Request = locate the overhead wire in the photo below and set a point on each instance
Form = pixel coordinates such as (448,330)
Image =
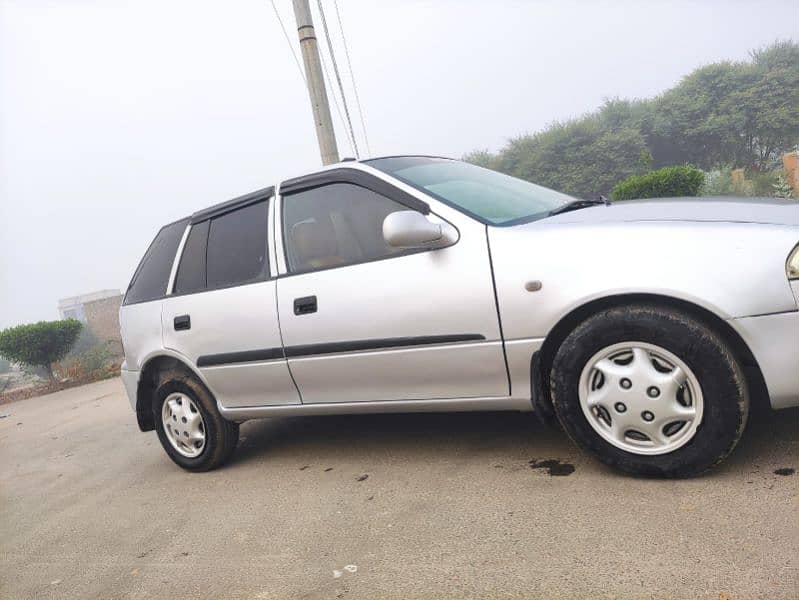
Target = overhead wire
(352,77)
(288,41)
(335,101)
(338,77)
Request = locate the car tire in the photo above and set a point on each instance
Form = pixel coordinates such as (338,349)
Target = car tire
(614,416)
(183,408)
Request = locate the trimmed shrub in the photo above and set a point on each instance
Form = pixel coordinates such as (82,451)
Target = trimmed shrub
(40,344)
(680,180)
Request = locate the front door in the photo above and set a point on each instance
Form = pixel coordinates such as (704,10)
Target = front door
(364,321)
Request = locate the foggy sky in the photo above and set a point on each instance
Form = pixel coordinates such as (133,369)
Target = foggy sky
(117,117)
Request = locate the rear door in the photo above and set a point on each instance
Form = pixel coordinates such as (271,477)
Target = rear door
(221,313)
(363,321)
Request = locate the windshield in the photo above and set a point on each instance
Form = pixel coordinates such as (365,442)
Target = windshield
(488,196)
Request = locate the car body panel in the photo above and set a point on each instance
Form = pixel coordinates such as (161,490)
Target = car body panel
(428,294)
(140,328)
(227,321)
(733,270)
(774,341)
(130,379)
(768,211)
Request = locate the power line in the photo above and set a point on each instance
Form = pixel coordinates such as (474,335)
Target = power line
(288,41)
(352,77)
(335,101)
(338,77)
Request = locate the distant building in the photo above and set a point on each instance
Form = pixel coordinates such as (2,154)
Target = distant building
(99,311)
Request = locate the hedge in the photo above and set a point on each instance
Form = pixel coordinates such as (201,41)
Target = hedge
(668,182)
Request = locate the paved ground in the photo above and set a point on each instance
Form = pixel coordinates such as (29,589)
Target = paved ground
(91,508)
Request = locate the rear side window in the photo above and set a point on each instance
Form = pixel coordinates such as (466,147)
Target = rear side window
(152,276)
(236,251)
(191,272)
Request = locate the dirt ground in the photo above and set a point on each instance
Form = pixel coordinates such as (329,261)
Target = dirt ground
(380,506)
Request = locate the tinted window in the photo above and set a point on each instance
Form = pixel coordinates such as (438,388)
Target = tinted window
(335,225)
(151,278)
(237,247)
(490,197)
(191,272)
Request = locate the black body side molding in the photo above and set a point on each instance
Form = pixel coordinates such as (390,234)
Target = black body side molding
(264,354)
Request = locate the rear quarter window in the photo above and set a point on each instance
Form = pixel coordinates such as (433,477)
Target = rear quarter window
(152,276)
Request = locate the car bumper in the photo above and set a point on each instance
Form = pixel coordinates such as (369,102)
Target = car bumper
(774,342)
(130,379)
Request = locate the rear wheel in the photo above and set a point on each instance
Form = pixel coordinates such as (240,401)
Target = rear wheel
(189,426)
(650,391)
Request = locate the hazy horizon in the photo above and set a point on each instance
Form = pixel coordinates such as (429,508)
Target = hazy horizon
(117,117)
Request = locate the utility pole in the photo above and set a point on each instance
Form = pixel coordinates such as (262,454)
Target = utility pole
(316,83)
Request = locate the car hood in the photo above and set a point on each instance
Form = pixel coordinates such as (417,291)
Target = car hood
(731,210)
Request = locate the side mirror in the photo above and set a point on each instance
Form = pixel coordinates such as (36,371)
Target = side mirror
(411,229)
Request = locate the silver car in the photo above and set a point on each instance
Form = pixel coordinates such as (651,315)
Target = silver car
(647,329)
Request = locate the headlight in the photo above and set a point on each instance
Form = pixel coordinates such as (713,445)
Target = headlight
(792,268)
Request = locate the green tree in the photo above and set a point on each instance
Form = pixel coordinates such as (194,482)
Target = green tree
(583,157)
(40,344)
(736,114)
(745,114)
(481,158)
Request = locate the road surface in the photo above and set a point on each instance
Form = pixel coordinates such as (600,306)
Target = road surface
(394,506)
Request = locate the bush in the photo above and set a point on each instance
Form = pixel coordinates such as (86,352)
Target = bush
(40,344)
(5,365)
(719,183)
(781,188)
(86,341)
(93,363)
(664,183)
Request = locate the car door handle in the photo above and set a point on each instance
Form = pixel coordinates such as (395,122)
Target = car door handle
(182,323)
(305,305)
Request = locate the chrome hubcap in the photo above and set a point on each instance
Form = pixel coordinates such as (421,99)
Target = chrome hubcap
(641,398)
(183,425)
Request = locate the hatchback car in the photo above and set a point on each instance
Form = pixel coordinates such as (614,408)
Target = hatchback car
(412,283)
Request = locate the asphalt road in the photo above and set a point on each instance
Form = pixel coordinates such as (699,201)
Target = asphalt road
(410,506)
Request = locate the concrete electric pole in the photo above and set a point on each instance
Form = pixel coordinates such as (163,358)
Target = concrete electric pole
(316,83)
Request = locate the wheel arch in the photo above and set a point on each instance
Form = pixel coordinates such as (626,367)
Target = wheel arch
(542,361)
(149,380)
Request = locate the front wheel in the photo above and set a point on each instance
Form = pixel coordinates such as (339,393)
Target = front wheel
(650,391)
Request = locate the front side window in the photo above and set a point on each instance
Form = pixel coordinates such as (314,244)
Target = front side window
(151,278)
(335,225)
(236,252)
(488,196)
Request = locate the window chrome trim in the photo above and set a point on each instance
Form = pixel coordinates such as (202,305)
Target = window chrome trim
(280,252)
(270,238)
(170,286)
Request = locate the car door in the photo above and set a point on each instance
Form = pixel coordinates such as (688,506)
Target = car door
(222,314)
(362,321)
